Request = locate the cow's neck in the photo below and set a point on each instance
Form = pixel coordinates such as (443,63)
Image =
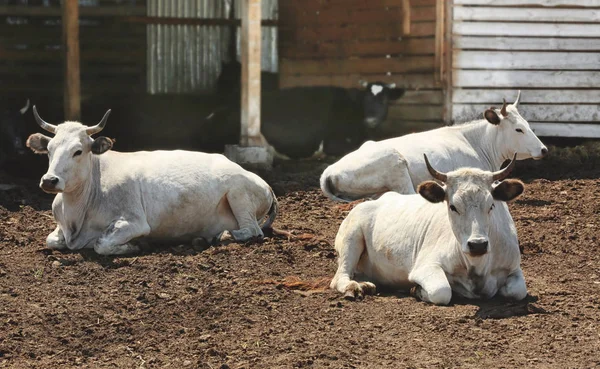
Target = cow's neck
(77,202)
(476,265)
(484,139)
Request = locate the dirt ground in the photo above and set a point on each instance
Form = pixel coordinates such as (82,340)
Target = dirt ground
(225,307)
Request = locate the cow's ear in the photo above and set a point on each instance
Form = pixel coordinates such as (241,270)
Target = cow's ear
(102,145)
(491,116)
(432,191)
(508,190)
(395,93)
(38,143)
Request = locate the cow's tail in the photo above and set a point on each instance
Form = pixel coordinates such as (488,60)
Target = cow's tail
(273,210)
(329,189)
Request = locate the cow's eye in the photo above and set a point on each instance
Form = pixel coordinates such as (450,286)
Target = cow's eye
(491,207)
(453,208)
(519,130)
(77,153)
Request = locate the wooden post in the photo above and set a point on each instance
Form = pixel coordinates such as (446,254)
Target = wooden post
(406,17)
(250,50)
(447,61)
(72,83)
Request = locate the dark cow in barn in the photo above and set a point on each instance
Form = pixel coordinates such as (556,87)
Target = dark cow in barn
(300,121)
(13,131)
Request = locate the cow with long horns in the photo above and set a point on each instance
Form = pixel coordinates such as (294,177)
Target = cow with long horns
(456,235)
(396,164)
(109,200)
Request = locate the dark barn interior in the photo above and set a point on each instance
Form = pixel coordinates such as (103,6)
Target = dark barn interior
(156,65)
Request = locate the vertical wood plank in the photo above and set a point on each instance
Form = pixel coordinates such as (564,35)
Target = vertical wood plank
(447,61)
(406,17)
(72,83)
(439,41)
(251,54)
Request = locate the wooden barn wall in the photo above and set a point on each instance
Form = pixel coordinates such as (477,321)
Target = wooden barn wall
(550,49)
(340,42)
(113,52)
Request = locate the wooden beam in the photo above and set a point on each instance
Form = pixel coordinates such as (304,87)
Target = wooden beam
(251,54)
(190,21)
(406,17)
(446,62)
(72,84)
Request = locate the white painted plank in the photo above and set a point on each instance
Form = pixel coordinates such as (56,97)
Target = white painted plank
(575,3)
(526,14)
(525,43)
(566,130)
(522,79)
(491,96)
(525,60)
(525,29)
(538,112)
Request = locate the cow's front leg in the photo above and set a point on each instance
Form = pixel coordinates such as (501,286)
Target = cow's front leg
(515,287)
(56,240)
(432,285)
(115,239)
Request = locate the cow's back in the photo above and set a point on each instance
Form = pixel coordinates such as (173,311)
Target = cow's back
(177,191)
(397,231)
(447,149)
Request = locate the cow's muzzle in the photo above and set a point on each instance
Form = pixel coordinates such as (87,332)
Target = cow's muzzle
(477,247)
(49,184)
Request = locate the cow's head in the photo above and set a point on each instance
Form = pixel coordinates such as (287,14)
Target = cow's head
(514,132)
(70,151)
(471,195)
(376,99)
(12,130)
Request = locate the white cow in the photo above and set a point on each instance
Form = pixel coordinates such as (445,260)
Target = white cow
(396,164)
(457,236)
(105,199)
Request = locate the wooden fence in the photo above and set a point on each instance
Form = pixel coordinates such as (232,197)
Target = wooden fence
(339,42)
(113,53)
(550,49)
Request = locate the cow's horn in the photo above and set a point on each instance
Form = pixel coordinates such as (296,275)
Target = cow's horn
(518,98)
(434,173)
(45,125)
(25,108)
(501,174)
(503,110)
(391,85)
(100,126)
(363,83)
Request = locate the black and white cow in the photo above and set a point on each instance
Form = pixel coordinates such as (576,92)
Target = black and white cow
(301,121)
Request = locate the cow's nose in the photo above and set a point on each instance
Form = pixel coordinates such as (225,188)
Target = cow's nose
(544,151)
(477,247)
(49,181)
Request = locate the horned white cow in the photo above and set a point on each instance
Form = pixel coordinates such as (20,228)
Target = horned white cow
(105,199)
(396,164)
(455,236)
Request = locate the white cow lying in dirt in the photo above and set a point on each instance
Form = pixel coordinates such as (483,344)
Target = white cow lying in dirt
(458,236)
(396,164)
(105,199)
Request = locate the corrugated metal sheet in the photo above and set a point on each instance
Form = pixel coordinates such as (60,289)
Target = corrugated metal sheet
(187,59)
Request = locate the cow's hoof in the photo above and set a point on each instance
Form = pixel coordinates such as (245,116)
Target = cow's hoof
(357,291)
(56,245)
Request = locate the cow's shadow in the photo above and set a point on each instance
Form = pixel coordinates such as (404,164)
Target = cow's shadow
(500,307)
(495,308)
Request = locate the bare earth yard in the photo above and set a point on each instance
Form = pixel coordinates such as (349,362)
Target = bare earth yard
(224,307)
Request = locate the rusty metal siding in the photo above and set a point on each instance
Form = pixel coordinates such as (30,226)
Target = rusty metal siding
(187,59)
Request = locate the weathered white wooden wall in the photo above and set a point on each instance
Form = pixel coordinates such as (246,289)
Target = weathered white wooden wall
(549,49)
